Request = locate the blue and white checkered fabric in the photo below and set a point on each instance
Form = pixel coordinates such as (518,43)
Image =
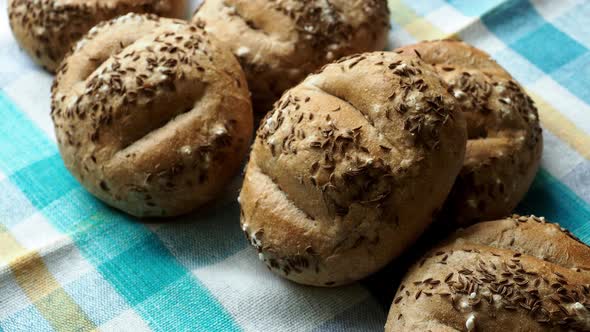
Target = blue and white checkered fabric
(68,262)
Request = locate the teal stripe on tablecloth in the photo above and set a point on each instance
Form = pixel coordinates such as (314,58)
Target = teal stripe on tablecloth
(162,290)
(21,142)
(518,24)
(513,20)
(564,49)
(474,8)
(139,266)
(43,181)
(199,245)
(135,279)
(550,198)
(201,313)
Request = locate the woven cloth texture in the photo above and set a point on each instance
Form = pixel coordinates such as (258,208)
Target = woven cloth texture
(70,263)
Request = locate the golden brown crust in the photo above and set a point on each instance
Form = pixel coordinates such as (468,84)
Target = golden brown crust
(516,274)
(279,42)
(505,138)
(151,115)
(350,168)
(47,29)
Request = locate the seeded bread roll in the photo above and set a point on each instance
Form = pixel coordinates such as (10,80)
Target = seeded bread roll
(151,115)
(47,29)
(279,42)
(350,168)
(517,274)
(505,139)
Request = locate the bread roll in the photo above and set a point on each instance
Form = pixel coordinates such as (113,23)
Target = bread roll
(151,115)
(517,274)
(47,29)
(279,42)
(350,167)
(505,139)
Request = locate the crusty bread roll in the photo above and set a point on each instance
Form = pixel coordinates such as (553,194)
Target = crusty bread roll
(151,115)
(350,168)
(279,42)
(505,139)
(47,29)
(517,274)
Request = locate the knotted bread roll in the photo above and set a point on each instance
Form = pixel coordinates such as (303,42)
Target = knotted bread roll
(350,168)
(279,42)
(505,139)
(517,274)
(47,29)
(151,115)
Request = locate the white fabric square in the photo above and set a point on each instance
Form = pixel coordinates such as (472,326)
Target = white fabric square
(558,157)
(64,261)
(31,94)
(35,232)
(479,36)
(262,301)
(129,320)
(521,69)
(15,206)
(563,100)
(5,32)
(448,19)
(550,9)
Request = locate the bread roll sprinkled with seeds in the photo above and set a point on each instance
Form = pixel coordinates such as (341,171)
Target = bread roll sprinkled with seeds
(517,274)
(505,139)
(350,167)
(47,29)
(279,42)
(151,115)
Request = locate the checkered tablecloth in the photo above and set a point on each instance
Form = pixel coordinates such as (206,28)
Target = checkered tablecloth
(68,262)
